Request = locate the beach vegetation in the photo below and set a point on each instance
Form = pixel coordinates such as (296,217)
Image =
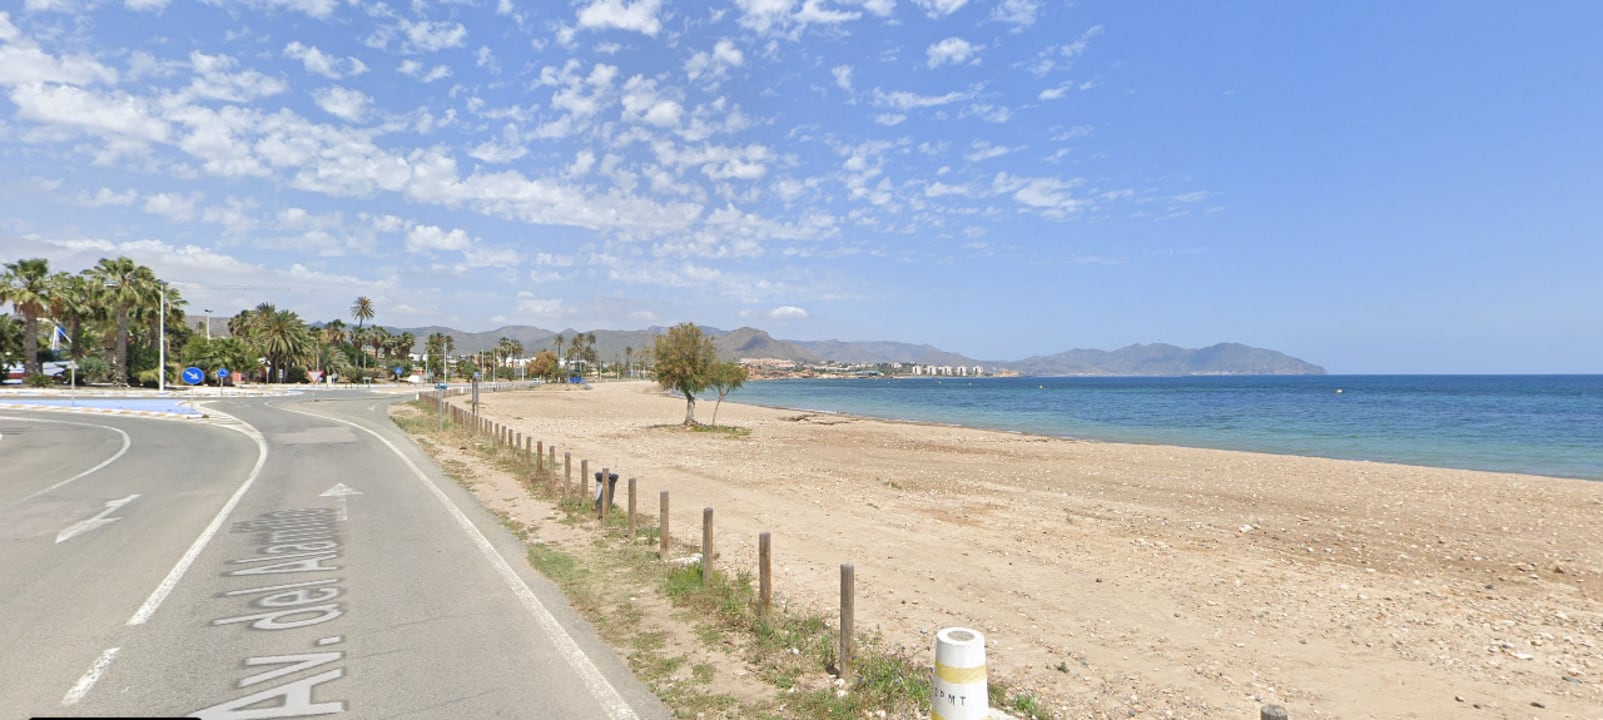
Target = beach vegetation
(26,284)
(725,377)
(685,358)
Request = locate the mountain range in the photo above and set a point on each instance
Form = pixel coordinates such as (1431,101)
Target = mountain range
(746,342)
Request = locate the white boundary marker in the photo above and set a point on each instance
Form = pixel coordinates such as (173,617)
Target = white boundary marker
(90,677)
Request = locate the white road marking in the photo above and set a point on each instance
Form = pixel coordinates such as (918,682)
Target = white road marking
(341,491)
(177,573)
(602,690)
(126,443)
(90,677)
(100,519)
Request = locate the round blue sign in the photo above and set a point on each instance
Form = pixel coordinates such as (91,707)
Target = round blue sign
(193,375)
(222,373)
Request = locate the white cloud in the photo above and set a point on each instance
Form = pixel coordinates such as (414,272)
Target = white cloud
(639,16)
(528,304)
(843,76)
(321,63)
(982,151)
(940,8)
(581,164)
(903,100)
(341,102)
(508,148)
(881,8)
(788,312)
(23,62)
(766,15)
(173,206)
(107,196)
(217,82)
(320,9)
(890,119)
(952,51)
(116,114)
(1018,12)
(431,237)
(715,64)
(430,36)
(1050,196)
(1054,57)
(415,69)
(144,5)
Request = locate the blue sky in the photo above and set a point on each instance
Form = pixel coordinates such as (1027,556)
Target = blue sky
(1376,187)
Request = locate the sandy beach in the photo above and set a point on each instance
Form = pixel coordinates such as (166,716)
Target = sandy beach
(1139,581)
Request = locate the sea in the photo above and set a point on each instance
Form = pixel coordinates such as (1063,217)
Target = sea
(1534,424)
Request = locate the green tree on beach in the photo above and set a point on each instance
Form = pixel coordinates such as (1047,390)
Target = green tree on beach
(685,357)
(725,377)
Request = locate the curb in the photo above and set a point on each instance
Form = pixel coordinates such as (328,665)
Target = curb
(101,411)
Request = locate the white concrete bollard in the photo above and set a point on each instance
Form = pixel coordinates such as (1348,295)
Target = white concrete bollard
(960,687)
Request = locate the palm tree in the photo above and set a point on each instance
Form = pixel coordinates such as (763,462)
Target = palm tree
(73,303)
(559,344)
(401,347)
(284,340)
(10,340)
(628,357)
(128,286)
(434,347)
(362,311)
(26,284)
(334,332)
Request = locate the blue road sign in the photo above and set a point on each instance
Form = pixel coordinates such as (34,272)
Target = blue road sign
(399,369)
(193,375)
(440,386)
(222,373)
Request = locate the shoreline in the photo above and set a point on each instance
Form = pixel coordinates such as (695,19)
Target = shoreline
(1560,466)
(1203,582)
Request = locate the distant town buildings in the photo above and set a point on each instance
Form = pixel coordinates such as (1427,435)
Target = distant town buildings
(948,370)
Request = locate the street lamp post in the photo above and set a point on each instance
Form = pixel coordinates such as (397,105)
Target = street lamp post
(161,341)
(208,323)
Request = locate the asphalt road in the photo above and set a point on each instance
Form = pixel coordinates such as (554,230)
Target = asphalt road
(300,559)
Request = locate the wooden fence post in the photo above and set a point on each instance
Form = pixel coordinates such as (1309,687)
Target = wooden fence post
(765,578)
(848,644)
(631,511)
(539,456)
(567,469)
(706,544)
(662,527)
(604,496)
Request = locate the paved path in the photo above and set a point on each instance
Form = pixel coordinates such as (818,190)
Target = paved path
(281,558)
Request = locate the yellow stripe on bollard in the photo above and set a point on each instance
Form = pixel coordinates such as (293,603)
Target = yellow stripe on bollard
(960,676)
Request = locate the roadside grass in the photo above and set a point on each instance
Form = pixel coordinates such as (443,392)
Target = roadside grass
(794,653)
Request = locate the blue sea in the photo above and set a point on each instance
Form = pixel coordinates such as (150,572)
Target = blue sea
(1537,424)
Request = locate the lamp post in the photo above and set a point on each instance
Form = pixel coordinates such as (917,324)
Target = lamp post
(161,341)
(208,323)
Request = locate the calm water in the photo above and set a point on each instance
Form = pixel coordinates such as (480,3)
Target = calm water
(1539,424)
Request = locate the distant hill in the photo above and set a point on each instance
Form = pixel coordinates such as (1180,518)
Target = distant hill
(884,352)
(746,342)
(1162,359)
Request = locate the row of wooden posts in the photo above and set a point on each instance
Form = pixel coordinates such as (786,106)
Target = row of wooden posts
(543,459)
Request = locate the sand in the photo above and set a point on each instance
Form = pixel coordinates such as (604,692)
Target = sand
(1117,580)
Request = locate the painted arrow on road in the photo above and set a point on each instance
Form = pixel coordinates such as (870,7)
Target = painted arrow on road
(341,491)
(98,520)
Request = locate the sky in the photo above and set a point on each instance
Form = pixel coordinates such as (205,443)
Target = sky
(1374,186)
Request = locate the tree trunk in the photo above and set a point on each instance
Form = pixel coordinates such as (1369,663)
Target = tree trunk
(30,344)
(690,409)
(124,375)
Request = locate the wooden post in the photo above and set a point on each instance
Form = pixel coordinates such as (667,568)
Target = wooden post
(539,456)
(706,544)
(662,528)
(1272,712)
(631,511)
(584,478)
(567,469)
(606,495)
(848,644)
(765,576)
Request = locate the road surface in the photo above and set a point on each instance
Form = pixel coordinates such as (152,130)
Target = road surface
(283,558)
